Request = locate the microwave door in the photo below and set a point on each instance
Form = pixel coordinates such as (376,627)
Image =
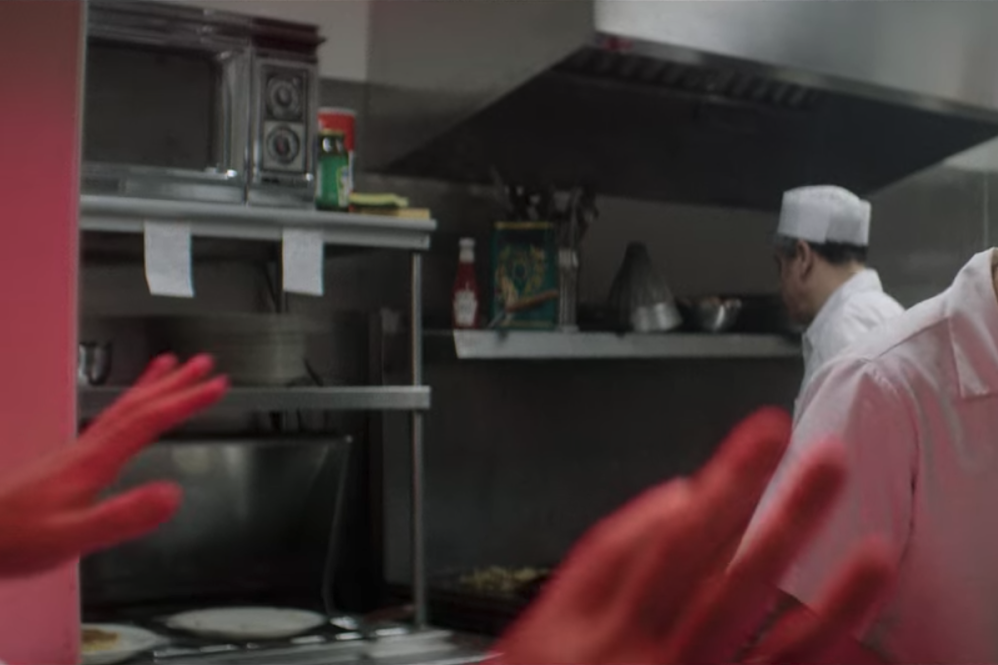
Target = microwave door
(166,121)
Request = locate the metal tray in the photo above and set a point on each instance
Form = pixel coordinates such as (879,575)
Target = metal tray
(454,605)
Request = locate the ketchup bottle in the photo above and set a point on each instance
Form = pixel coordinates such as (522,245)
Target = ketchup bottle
(466,301)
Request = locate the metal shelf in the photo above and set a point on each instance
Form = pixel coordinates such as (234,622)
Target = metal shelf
(120,215)
(539,346)
(92,400)
(117,214)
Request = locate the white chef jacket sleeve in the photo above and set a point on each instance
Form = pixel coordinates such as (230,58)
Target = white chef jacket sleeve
(851,401)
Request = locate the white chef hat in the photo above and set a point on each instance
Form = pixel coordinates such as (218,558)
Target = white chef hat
(825,213)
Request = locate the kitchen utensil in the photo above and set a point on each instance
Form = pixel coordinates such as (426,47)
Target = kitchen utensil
(522,305)
(568,288)
(575,218)
(713,314)
(586,211)
(640,296)
(570,232)
(246,623)
(502,194)
(125,642)
(93,363)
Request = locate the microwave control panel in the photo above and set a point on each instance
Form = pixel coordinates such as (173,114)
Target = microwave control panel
(284,130)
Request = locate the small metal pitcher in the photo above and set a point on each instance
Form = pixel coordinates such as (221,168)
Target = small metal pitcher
(93,363)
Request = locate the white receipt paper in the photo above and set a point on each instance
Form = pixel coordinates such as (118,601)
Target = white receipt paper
(168,259)
(302,252)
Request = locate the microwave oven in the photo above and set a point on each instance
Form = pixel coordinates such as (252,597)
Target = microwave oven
(194,104)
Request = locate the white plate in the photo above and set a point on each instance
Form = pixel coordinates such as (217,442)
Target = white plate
(131,642)
(246,623)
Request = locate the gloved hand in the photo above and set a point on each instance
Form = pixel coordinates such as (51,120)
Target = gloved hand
(49,512)
(652,582)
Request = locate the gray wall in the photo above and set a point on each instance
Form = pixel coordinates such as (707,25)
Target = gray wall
(927,226)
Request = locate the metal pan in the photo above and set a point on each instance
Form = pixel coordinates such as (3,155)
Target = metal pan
(252,349)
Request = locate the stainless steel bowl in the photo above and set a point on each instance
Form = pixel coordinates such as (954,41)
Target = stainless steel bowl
(716,315)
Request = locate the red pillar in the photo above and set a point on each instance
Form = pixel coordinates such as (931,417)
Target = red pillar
(41,61)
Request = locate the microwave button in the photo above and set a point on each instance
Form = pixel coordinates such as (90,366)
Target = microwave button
(283,147)
(284,97)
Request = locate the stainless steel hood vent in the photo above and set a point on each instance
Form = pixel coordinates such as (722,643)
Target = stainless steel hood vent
(717,84)
(679,101)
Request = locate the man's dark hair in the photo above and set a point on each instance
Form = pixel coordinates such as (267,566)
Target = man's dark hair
(840,253)
(836,253)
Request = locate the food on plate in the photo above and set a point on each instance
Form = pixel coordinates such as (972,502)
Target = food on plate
(95,640)
(500,580)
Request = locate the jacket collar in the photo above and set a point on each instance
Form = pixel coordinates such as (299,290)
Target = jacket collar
(971,308)
(863,281)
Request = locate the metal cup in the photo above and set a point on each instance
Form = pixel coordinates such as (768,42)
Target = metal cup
(93,363)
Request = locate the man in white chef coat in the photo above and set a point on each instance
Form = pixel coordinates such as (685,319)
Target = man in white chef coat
(821,246)
(916,407)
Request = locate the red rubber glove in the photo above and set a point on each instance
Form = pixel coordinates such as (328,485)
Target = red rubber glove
(49,512)
(652,582)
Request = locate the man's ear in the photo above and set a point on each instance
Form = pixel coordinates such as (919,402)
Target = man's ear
(805,254)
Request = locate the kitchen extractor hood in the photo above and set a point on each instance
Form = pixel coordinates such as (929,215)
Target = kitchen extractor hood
(722,103)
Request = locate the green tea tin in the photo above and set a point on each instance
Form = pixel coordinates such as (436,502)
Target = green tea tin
(524,275)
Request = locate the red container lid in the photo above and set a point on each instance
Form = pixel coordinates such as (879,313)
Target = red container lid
(339,120)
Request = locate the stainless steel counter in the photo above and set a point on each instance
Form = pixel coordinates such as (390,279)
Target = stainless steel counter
(426,647)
